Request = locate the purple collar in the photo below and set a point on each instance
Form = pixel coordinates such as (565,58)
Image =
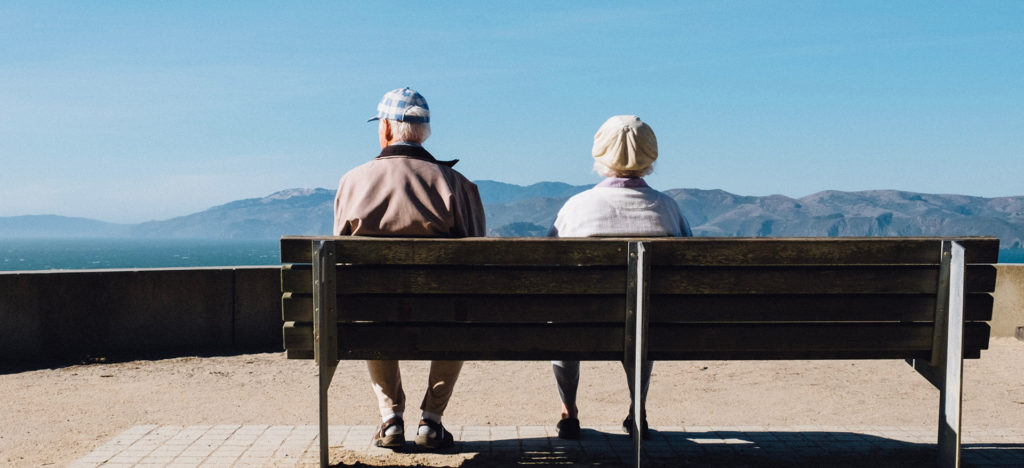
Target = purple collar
(623,182)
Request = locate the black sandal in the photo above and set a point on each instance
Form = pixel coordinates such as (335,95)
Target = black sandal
(381,439)
(442,438)
(627,427)
(569,429)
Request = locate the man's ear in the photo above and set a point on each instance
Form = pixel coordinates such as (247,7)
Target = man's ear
(387,130)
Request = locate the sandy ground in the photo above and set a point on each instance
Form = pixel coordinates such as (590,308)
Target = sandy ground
(56,416)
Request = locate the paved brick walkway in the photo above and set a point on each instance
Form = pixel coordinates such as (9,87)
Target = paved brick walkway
(480,446)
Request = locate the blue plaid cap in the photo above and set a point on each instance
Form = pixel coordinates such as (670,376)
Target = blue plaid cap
(397,102)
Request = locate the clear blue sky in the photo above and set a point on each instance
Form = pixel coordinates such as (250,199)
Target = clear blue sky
(133,111)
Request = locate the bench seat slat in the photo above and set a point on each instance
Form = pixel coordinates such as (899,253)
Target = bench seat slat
(299,354)
(800,308)
(463,280)
(803,341)
(699,250)
(483,251)
(667,342)
(479,308)
(812,251)
(482,342)
(888,279)
(663,308)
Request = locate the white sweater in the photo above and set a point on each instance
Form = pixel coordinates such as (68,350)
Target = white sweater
(620,207)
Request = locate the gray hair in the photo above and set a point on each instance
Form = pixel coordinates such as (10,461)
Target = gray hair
(605,171)
(408,131)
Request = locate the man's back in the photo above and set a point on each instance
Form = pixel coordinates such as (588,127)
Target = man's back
(405,196)
(405,192)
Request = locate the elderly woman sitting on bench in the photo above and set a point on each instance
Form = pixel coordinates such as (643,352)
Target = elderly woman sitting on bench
(622,205)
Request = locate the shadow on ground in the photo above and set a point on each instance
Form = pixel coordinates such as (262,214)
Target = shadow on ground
(57,362)
(672,449)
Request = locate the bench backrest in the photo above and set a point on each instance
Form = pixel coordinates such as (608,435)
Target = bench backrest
(707,298)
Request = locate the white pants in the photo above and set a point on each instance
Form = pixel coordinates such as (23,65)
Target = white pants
(567,376)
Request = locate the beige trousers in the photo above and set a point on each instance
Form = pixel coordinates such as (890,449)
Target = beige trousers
(387,385)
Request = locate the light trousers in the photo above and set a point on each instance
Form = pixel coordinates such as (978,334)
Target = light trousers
(386,378)
(567,376)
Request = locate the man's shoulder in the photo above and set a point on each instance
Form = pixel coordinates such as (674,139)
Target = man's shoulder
(462,178)
(402,166)
(381,164)
(359,170)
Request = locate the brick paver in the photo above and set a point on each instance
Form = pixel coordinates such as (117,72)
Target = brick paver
(282,446)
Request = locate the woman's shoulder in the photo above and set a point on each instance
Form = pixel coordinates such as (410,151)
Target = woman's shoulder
(584,196)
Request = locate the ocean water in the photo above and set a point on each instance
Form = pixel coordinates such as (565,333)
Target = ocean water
(78,254)
(1011,256)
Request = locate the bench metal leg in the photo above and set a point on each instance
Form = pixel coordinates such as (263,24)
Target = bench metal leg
(325,331)
(951,391)
(945,369)
(636,334)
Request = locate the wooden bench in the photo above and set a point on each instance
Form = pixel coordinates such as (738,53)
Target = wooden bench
(924,300)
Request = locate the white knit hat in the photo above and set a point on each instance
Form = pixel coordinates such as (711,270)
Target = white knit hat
(625,144)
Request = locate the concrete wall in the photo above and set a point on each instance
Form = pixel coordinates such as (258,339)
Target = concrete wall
(187,311)
(96,312)
(1008,309)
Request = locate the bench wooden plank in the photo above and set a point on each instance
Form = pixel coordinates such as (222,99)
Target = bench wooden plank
(887,279)
(803,341)
(808,308)
(698,250)
(609,308)
(605,342)
(840,279)
(469,341)
(795,280)
(482,251)
(478,308)
(300,354)
(375,279)
(812,250)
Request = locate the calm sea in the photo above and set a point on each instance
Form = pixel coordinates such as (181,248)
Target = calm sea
(1011,256)
(78,254)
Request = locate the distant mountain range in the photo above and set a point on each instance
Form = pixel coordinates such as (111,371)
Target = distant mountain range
(514,210)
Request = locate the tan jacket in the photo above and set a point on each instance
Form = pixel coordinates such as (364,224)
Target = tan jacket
(405,192)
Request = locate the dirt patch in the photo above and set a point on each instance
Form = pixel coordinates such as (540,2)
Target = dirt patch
(71,410)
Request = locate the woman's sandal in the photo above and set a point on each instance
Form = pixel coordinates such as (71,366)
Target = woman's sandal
(627,427)
(442,438)
(381,439)
(569,429)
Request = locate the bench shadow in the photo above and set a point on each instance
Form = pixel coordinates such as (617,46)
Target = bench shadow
(714,448)
(981,454)
(58,362)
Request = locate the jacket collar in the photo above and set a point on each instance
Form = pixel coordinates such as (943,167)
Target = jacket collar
(414,152)
(622,182)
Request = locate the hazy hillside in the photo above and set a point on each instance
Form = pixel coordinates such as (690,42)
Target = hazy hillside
(514,210)
(294,211)
(517,211)
(501,193)
(867,213)
(310,212)
(59,226)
